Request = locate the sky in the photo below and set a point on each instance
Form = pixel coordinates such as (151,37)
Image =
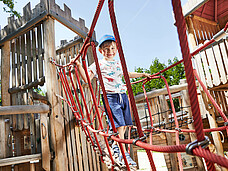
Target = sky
(146,27)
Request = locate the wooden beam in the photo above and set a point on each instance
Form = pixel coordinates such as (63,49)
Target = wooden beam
(204,20)
(24,28)
(46,155)
(37,82)
(58,143)
(23,109)
(5,74)
(154,93)
(19,160)
(69,45)
(5,78)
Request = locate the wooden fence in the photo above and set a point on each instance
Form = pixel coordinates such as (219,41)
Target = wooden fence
(27,44)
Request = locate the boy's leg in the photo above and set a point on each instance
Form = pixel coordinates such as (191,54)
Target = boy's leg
(121,130)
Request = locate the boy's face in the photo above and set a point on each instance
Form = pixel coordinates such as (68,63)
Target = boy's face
(108,50)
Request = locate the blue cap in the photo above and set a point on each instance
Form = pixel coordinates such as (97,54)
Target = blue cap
(106,38)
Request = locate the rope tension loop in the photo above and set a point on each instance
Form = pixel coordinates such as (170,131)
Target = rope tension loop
(115,134)
(139,139)
(178,129)
(195,144)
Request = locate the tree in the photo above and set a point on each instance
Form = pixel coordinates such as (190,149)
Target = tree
(10,7)
(172,75)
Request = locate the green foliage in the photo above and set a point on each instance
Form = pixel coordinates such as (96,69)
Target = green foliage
(39,91)
(172,75)
(10,7)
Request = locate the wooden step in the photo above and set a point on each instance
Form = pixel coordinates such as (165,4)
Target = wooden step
(20,159)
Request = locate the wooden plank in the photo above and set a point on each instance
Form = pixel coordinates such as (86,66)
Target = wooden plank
(209,32)
(32,125)
(73,139)
(66,120)
(23,68)
(224,52)
(14,120)
(19,160)
(206,69)
(197,35)
(199,66)
(20,119)
(224,101)
(84,150)
(58,143)
(38,143)
(71,125)
(89,156)
(18,69)
(213,67)
(215,95)
(199,30)
(78,144)
(13,64)
(2,138)
(32,167)
(24,93)
(191,34)
(98,163)
(95,161)
(34,54)
(68,134)
(46,155)
(164,107)
(40,54)
(29,56)
(205,31)
(30,85)
(21,109)
(220,64)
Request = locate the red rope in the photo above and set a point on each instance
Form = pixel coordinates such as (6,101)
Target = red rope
(210,157)
(181,29)
(126,76)
(105,98)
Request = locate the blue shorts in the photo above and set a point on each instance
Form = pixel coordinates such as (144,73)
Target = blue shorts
(120,108)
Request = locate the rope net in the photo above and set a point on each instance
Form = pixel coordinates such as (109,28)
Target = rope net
(72,87)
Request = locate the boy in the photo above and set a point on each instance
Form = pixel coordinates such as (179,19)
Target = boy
(112,73)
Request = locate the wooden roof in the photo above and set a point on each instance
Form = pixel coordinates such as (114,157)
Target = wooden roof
(208,9)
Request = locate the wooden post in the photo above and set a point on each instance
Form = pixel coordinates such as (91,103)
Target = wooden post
(5,77)
(84,150)
(186,103)
(191,35)
(46,155)
(79,151)
(164,108)
(213,124)
(56,120)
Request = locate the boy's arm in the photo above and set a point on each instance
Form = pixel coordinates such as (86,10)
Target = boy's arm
(82,72)
(136,74)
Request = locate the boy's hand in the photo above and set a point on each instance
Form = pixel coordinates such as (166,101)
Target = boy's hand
(77,63)
(146,75)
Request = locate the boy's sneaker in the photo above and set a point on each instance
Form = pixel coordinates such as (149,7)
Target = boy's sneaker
(116,150)
(129,160)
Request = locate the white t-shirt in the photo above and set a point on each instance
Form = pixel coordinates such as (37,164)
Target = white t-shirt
(112,73)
